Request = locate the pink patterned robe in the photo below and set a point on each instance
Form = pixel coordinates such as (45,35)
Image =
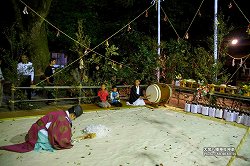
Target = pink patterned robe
(59,133)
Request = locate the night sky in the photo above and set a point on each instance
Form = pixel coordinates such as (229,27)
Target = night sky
(201,28)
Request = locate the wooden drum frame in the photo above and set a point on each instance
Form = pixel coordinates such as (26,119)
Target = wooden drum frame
(158,93)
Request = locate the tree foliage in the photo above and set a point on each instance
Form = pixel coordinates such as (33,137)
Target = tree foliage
(134,50)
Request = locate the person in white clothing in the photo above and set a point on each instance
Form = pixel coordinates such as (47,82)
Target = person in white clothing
(1,83)
(136,95)
(25,72)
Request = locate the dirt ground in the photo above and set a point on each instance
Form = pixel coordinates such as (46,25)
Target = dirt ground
(138,136)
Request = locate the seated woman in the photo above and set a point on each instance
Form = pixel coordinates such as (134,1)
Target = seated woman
(136,95)
(52,131)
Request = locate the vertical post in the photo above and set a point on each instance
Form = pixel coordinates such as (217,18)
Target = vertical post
(56,92)
(215,34)
(80,94)
(12,102)
(159,36)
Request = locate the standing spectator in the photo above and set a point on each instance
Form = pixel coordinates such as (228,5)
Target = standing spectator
(103,94)
(115,97)
(1,83)
(49,78)
(25,72)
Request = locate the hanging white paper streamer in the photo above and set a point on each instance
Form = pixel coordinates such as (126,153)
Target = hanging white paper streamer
(154,1)
(58,33)
(25,10)
(81,65)
(233,62)
(241,62)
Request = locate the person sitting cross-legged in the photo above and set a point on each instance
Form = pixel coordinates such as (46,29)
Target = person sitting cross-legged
(136,95)
(115,97)
(103,95)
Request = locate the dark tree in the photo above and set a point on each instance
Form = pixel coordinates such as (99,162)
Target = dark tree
(26,33)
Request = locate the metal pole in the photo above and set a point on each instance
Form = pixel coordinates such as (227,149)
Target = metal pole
(159,36)
(215,34)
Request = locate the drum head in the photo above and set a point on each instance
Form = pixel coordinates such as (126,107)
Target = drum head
(153,92)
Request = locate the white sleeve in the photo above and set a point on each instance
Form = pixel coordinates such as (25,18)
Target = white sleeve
(32,72)
(1,74)
(19,67)
(47,125)
(111,96)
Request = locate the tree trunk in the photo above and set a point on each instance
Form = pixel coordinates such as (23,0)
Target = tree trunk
(31,30)
(38,46)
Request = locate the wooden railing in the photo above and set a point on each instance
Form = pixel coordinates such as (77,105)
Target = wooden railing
(124,91)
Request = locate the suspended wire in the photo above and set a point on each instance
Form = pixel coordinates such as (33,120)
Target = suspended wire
(170,23)
(193,18)
(92,50)
(237,58)
(89,50)
(241,12)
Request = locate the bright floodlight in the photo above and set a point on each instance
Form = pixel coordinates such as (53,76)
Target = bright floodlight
(234,41)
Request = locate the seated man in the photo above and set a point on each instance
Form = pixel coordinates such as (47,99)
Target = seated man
(52,131)
(136,95)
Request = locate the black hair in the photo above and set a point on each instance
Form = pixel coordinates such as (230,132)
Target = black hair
(71,111)
(137,80)
(52,59)
(114,86)
(20,57)
(76,110)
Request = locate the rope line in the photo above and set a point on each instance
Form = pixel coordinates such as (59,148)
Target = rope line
(193,18)
(237,58)
(238,68)
(241,11)
(170,23)
(89,50)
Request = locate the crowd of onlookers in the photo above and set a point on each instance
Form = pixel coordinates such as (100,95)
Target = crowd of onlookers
(25,71)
